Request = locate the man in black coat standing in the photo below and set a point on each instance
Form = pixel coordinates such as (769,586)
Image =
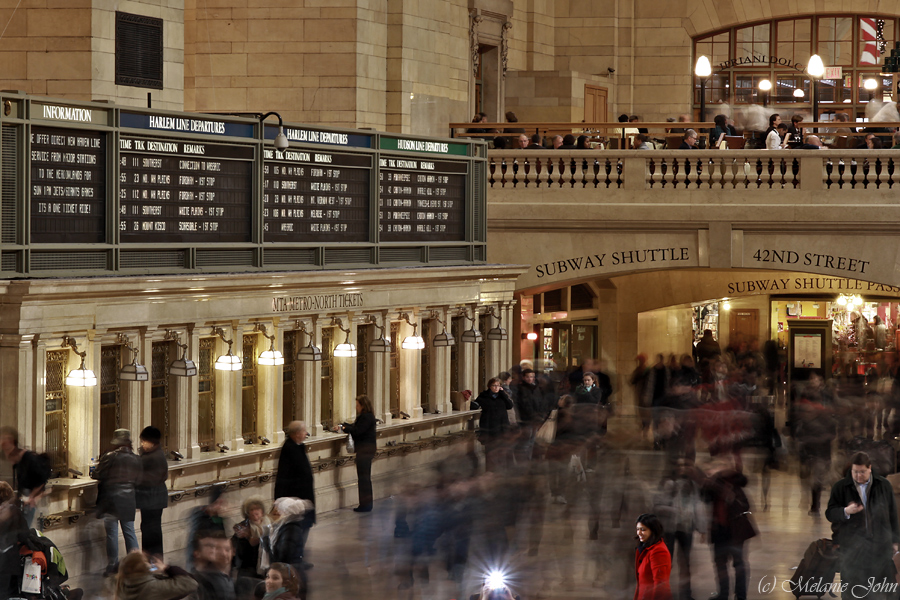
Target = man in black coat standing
(116,473)
(863,516)
(151,495)
(493,423)
(295,476)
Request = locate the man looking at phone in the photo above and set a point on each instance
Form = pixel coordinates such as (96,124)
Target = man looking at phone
(863,516)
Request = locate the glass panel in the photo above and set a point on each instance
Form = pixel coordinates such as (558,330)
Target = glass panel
(746,88)
(793,41)
(288,380)
(835,40)
(326,390)
(56,414)
(206,409)
(248,387)
(395,370)
(159,390)
(110,405)
(874,34)
(787,84)
(753,40)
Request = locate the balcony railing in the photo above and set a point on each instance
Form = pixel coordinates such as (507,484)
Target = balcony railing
(811,170)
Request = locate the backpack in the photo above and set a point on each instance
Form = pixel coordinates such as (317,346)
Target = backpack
(56,565)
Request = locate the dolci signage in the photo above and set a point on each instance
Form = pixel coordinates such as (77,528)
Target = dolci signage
(754,60)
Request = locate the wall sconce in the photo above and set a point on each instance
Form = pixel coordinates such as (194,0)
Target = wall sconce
(80,377)
(471,335)
(531,336)
(444,338)
(281,141)
(308,353)
(270,357)
(345,350)
(381,344)
(135,371)
(227,361)
(498,333)
(181,367)
(414,341)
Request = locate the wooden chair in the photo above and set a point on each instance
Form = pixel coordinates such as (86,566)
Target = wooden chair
(735,142)
(673,142)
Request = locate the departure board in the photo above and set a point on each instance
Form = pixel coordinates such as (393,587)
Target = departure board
(421,200)
(68,186)
(178,191)
(313,196)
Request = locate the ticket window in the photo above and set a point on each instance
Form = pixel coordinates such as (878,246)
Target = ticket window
(564,345)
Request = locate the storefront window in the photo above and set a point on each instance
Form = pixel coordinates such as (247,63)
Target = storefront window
(836,41)
(787,84)
(746,88)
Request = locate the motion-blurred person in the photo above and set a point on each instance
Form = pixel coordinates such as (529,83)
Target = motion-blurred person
(529,403)
(247,536)
(493,423)
(116,473)
(141,578)
(707,348)
(283,583)
(655,394)
(863,516)
(30,471)
(652,561)
(815,430)
(362,430)
(287,535)
(212,556)
(638,382)
(151,495)
(205,520)
(681,511)
(730,526)
(295,476)
(13,531)
(563,447)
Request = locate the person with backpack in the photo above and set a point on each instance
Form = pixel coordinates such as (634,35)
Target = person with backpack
(30,470)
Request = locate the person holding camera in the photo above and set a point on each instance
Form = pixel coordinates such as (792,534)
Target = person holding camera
(141,578)
(246,538)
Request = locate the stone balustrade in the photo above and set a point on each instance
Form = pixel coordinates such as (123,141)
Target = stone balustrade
(808,170)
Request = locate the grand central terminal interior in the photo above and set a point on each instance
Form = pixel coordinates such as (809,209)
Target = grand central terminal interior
(220,219)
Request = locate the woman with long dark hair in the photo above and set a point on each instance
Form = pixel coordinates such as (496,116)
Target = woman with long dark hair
(652,561)
(364,439)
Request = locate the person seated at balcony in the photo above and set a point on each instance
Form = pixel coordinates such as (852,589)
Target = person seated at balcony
(841,119)
(537,142)
(718,133)
(582,143)
(681,119)
(522,142)
(642,142)
(512,118)
(689,142)
(479,118)
(794,128)
(896,138)
(568,143)
(499,143)
(778,138)
(637,119)
(812,143)
(558,142)
(870,143)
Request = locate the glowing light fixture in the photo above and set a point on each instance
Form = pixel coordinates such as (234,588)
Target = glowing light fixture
(82,376)
(270,357)
(414,341)
(227,361)
(134,371)
(799,93)
(346,349)
(531,336)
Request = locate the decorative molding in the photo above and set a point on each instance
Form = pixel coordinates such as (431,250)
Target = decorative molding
(473,39)
(504,46)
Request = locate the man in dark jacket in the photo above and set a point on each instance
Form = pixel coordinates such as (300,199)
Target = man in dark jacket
(530,412)
(151,495)
(116,473)
(863,516)
(493,423)
(295,476)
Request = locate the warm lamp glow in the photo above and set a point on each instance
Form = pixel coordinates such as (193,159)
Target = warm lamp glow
(531,336)
(703,68)
(765,85)
(815,67)
(799,93)
(871,84)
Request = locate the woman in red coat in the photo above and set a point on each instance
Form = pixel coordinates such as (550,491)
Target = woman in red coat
(652,561)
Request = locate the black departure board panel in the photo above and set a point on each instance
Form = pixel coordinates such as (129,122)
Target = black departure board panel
(177,191)
(68,186)
(314,196)
(422,200)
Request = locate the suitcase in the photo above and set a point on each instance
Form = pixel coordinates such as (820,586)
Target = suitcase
(882,454)
(819,561)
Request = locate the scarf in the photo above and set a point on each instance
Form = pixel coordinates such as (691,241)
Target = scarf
(274,593)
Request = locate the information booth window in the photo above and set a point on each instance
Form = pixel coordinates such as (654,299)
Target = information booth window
(56,411)
(206,406)
(326,383)
(162,356)
(249,387)
(363,338)
(425,372)
(289,380)
(395,370)
(110,394)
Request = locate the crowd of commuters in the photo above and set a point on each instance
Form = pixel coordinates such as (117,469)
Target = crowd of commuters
(548,458)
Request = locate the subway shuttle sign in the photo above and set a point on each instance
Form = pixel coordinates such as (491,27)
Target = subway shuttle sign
(618,260)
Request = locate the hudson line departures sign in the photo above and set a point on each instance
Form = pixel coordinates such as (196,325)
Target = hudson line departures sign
(99,175)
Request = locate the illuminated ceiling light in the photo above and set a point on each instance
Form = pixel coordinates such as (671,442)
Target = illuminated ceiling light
(346,349)
(444,338)
(871,84)
(765,85)
(270,357)
(80,377)
(381,344)
(815,67)
(227,361)
(799,93)
(498,333)
(726,305)
(134,371)
(414,341)
(308,353)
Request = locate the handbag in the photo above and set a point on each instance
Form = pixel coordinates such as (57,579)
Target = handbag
(351,446)
(31,578)
(546,433)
